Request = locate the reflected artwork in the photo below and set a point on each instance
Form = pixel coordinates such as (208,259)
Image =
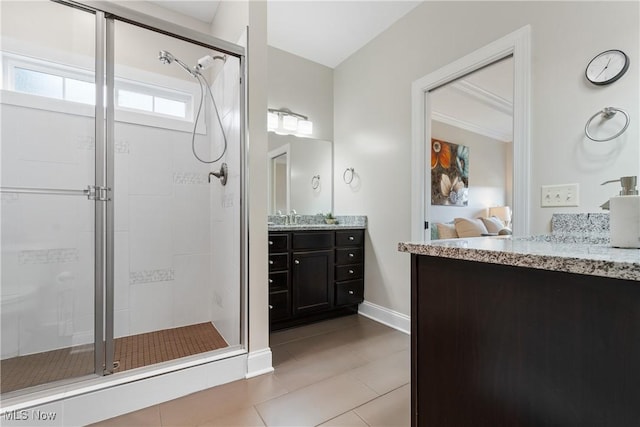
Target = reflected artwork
(449,173)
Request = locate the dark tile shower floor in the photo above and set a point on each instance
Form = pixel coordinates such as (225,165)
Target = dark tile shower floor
(130,352)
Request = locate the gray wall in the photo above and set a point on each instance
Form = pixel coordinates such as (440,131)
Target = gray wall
(372,128)
(304,87)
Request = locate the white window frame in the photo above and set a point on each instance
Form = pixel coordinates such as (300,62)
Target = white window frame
(189,95)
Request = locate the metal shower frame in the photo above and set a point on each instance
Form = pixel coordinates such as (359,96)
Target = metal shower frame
(106,14)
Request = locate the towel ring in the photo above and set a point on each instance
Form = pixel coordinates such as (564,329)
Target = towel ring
(607,113)
(344,175)
(315,182)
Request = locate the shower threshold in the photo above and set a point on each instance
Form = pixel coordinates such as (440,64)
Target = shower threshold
(131,352)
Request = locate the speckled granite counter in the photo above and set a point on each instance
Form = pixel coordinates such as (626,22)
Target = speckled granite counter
(305,227)
(316,222)
(590,255)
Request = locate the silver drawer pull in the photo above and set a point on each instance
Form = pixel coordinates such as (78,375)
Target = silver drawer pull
(271,261)
(350,271)
(270,280)
(270,307)
(351,255)
(350,292)
(270,242)
(296,262)
(352,238)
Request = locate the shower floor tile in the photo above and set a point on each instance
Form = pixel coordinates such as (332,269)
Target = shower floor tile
(130,352)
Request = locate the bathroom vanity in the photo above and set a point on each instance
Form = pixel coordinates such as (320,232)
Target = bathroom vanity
(316,271)
(524,332)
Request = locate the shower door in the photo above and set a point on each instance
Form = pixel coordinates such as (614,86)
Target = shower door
(113,236)
(51,230)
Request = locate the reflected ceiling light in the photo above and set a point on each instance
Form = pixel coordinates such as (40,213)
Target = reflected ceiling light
(286,122)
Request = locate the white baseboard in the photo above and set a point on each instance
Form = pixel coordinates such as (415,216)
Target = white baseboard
(259,363)
(386,316)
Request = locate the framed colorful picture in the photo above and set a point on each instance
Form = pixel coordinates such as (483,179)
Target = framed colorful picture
(449,173)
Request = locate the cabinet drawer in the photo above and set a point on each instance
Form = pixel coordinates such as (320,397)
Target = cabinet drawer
(312,240)
(278,242)
(350,238)
(349,256)
(349,292)
(278,262)
(279,306)
(349,272)
(279,281)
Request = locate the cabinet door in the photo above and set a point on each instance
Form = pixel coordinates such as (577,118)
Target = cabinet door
(311,281)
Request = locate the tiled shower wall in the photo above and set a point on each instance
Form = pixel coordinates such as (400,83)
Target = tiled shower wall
(177,237)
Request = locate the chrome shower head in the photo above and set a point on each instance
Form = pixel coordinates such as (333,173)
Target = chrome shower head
(165,57)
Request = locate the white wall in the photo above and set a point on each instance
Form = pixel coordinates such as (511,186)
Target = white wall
(304,87)
(373,110)
(487,172)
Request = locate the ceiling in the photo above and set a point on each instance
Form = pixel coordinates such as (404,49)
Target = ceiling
(480,102)
(329,31)
(323,31)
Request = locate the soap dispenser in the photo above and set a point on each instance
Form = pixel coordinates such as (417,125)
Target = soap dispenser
(624,216)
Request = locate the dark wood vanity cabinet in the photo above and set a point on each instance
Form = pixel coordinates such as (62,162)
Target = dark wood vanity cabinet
(314,275)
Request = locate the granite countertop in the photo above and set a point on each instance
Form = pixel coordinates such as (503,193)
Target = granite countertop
(305,227)
(584,254)
(316,222)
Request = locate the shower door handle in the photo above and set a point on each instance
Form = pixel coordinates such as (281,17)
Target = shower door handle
(92,192)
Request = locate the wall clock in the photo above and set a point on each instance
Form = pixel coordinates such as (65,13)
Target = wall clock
(607,67)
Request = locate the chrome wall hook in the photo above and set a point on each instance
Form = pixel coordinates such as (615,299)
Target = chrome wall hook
(222,174)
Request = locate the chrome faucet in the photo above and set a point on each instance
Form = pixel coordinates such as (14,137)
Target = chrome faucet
(293,217)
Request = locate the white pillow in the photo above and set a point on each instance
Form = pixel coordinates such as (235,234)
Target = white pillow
(446,231)
(493,224)
(466,227)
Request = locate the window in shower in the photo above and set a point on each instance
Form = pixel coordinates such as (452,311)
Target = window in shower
(48,79)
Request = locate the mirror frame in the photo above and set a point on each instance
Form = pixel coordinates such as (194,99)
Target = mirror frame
(272,155)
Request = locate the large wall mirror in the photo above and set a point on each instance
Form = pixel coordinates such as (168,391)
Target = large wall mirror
(475,112)
(300,175)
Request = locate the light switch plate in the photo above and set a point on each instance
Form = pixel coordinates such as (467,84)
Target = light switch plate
(560,195)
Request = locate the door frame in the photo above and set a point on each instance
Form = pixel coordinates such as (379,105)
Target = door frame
(516,44)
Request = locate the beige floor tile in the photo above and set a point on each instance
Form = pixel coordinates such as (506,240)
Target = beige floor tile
(244,417)
(316,367)
(280,356)
(372,348)
(350,419)
(145,417)
(212,403)
(316,403)
(387,373)
(390,410)
(313,329)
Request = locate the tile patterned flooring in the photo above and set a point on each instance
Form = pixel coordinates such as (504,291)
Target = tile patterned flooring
(131,352)
(349,371)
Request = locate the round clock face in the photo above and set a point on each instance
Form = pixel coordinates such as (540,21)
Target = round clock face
(607,67)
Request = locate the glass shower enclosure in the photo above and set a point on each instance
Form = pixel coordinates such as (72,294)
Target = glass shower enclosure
(121,248)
